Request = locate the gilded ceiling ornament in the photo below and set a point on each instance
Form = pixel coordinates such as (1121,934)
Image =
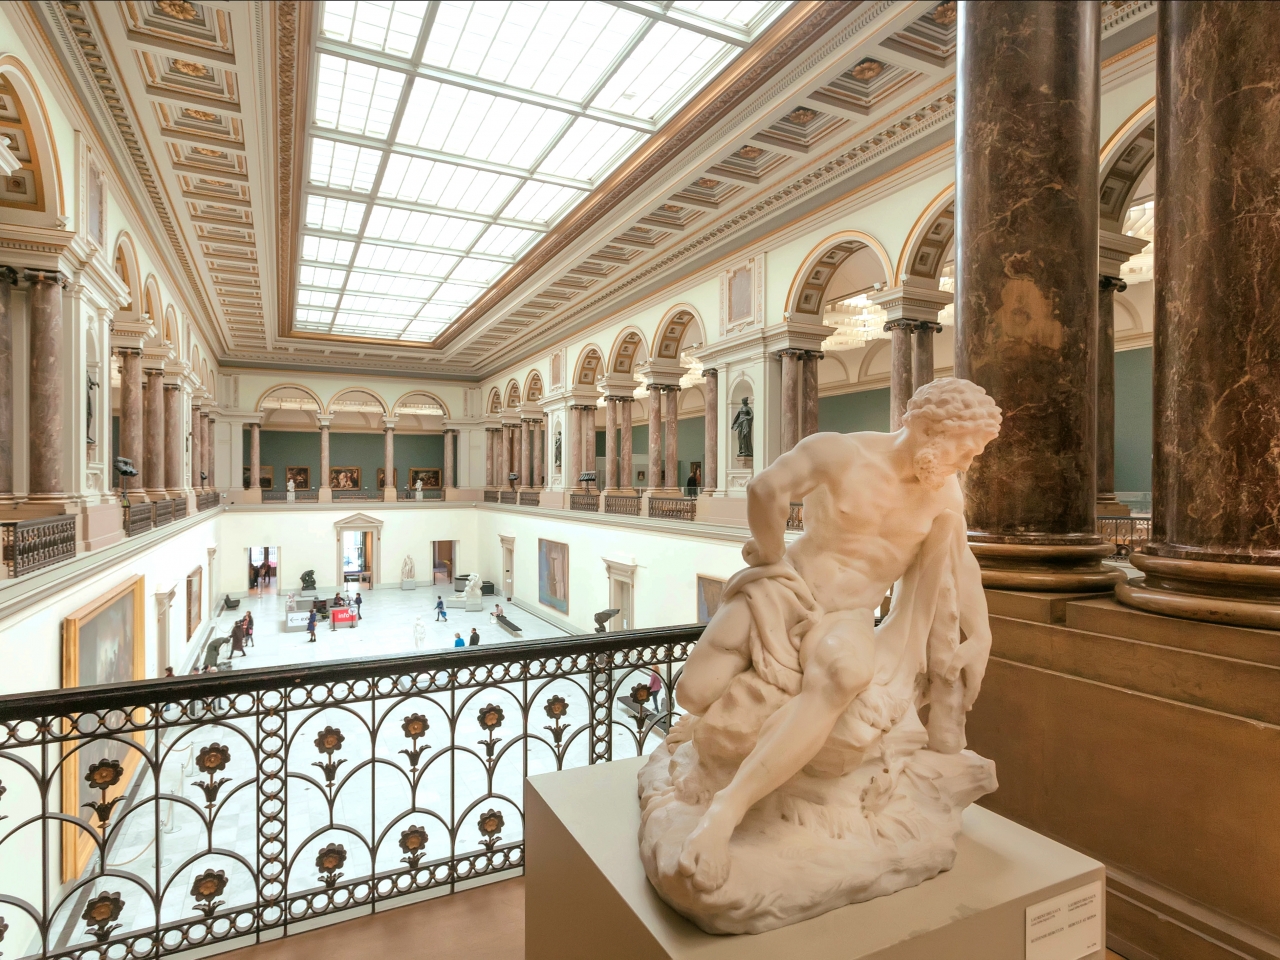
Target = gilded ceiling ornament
(671,208)
(204,115)
(944,14)
(867,69)
(178,9)
(206,152)
(749,152)
(191,68)
(706,183)
(802,115)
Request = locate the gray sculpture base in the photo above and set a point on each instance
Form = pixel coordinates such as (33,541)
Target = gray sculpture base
(587,897)
(474,606)
(456,601)
(408,584)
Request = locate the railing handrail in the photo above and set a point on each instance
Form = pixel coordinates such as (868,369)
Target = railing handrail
(17,707)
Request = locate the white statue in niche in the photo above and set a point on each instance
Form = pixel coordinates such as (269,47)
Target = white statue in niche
(802,778)
(407,570)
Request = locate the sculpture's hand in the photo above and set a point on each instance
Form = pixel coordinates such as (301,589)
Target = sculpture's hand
(971,659)
(759,556)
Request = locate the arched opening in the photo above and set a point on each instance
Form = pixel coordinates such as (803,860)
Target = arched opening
(590,367)
(494,405)
(513,395)
(628,351)
(151,300)
(533,387)
(125,264)
(33,189)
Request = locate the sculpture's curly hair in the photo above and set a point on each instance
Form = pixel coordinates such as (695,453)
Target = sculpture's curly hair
(951,403)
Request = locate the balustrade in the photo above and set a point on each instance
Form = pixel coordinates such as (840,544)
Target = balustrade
(207,500)
(172,815)
(673,508)
(530,498)
(507,496)
(589,502)
(491,496)
(795,517)
(624,506)
(180,508)
(137,518)
(1127,533)
(31,545)
(162,512)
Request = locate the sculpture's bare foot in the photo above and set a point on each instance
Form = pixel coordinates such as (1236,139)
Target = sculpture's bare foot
(704,858)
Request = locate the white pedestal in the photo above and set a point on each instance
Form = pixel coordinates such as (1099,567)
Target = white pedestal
(587,897)
(408,584)
(474,606)
(457,601)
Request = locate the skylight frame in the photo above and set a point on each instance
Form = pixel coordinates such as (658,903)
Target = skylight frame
(510,235)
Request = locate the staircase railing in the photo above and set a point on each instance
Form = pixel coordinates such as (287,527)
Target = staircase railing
(161,816)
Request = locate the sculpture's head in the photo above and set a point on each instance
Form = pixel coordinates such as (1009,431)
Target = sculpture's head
(951,421)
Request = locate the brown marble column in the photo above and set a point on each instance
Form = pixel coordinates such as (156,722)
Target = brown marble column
(671,417)
(611,444)
(537,439)
(324,492)
(626,469)
(196,483)
(504,480)
(255,456)
(809,394)
(213,454)
(573,451)
(488,456)
(922,354)
(589,440)
(900,362)
(1108,287)
(711,430)
(790,397)
(206,449)
(45,410)
(450,436)
(526,460)
(8,278)
(153,451)
(1027,269)
(655,436)
(131,415)
(389,463)
(175,441)
(1214,552)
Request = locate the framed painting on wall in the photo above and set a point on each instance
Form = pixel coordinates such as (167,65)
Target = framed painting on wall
(430,477)
(710,590)
(344,478)
(553,574)
(301,477)
(395,477)
(266,477)
(195,599)
(102,642)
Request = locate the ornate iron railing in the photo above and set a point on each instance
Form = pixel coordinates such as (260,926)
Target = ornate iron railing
(356,495)
(433,494)
(673,508)
(137,518)
(530,498)
(491,496)
(179,508)
(626,506)
(207,500)
(795,517)
(1127,533)
(282,496)
(589,502)
(150,818)
(31,545)
(162,512)
(507,496)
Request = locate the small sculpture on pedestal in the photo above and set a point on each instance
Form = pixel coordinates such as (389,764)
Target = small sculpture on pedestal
(742,422)
(408,574)
(308,579)
(802,778)
(289,495)
(417,489)
(419,632)
(474,598)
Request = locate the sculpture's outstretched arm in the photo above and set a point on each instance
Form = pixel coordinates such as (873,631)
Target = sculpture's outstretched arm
(769,497)
(971,656)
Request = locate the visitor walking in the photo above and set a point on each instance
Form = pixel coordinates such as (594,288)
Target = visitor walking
(358,601)
(475,637)
(440,612)
(311,625)
(248,628)
(458,641)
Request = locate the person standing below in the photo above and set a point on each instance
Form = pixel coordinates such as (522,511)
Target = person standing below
(237,638)
(358,601)
(311,625)
(440,611)
(458,641)
(694,483)
(248,627)
(475,637)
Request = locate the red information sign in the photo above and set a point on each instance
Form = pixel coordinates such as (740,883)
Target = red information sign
(343,615)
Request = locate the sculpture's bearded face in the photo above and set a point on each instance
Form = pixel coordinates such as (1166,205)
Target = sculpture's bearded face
(945,454)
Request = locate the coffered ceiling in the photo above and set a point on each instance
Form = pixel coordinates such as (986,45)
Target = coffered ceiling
(445,187)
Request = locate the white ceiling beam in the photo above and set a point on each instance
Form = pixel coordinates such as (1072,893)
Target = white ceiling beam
(416,207)
(678,18)
(399,244)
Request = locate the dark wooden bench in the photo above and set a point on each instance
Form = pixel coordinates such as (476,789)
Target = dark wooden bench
(508,626)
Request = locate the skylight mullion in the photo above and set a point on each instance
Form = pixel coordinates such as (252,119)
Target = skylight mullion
(405,245)
(546,152)
(619,61)
(689,21)
(493,88)
(425,153)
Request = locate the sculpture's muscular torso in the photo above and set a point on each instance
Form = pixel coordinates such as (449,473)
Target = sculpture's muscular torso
(870,501)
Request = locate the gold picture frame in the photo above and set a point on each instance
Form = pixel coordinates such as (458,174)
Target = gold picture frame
(351,480)
(113,627)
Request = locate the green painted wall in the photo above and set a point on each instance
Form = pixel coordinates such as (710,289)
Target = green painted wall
(852,412)
(1134,417)
(287,448)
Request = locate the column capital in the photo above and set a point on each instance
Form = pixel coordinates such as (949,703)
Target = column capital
(37,275)
(8,275)
(903,323)
(661,372)
(917,298)
(1115,250)
(389,423)
(1106,283)
(323,420)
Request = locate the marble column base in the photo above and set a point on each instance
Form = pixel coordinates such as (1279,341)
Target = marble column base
(325,495)
(1057,564)
(1110,507)
(388,494)
(1239,594)
(252,495)
(101,525)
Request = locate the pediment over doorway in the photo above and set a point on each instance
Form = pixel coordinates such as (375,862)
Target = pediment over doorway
(359,520)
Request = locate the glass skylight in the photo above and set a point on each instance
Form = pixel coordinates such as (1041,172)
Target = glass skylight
(447,138)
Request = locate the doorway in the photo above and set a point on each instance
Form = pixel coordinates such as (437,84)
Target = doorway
(357,557)
(622,584)
(444,554)
(508,566)
(264,570)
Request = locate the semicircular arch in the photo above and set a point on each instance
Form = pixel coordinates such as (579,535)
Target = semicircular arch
(674,332)
(511,396)
(629,349)
(40,167)
(807,296)
(930,239)
(589,367)
(533,389)
(1123,164)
